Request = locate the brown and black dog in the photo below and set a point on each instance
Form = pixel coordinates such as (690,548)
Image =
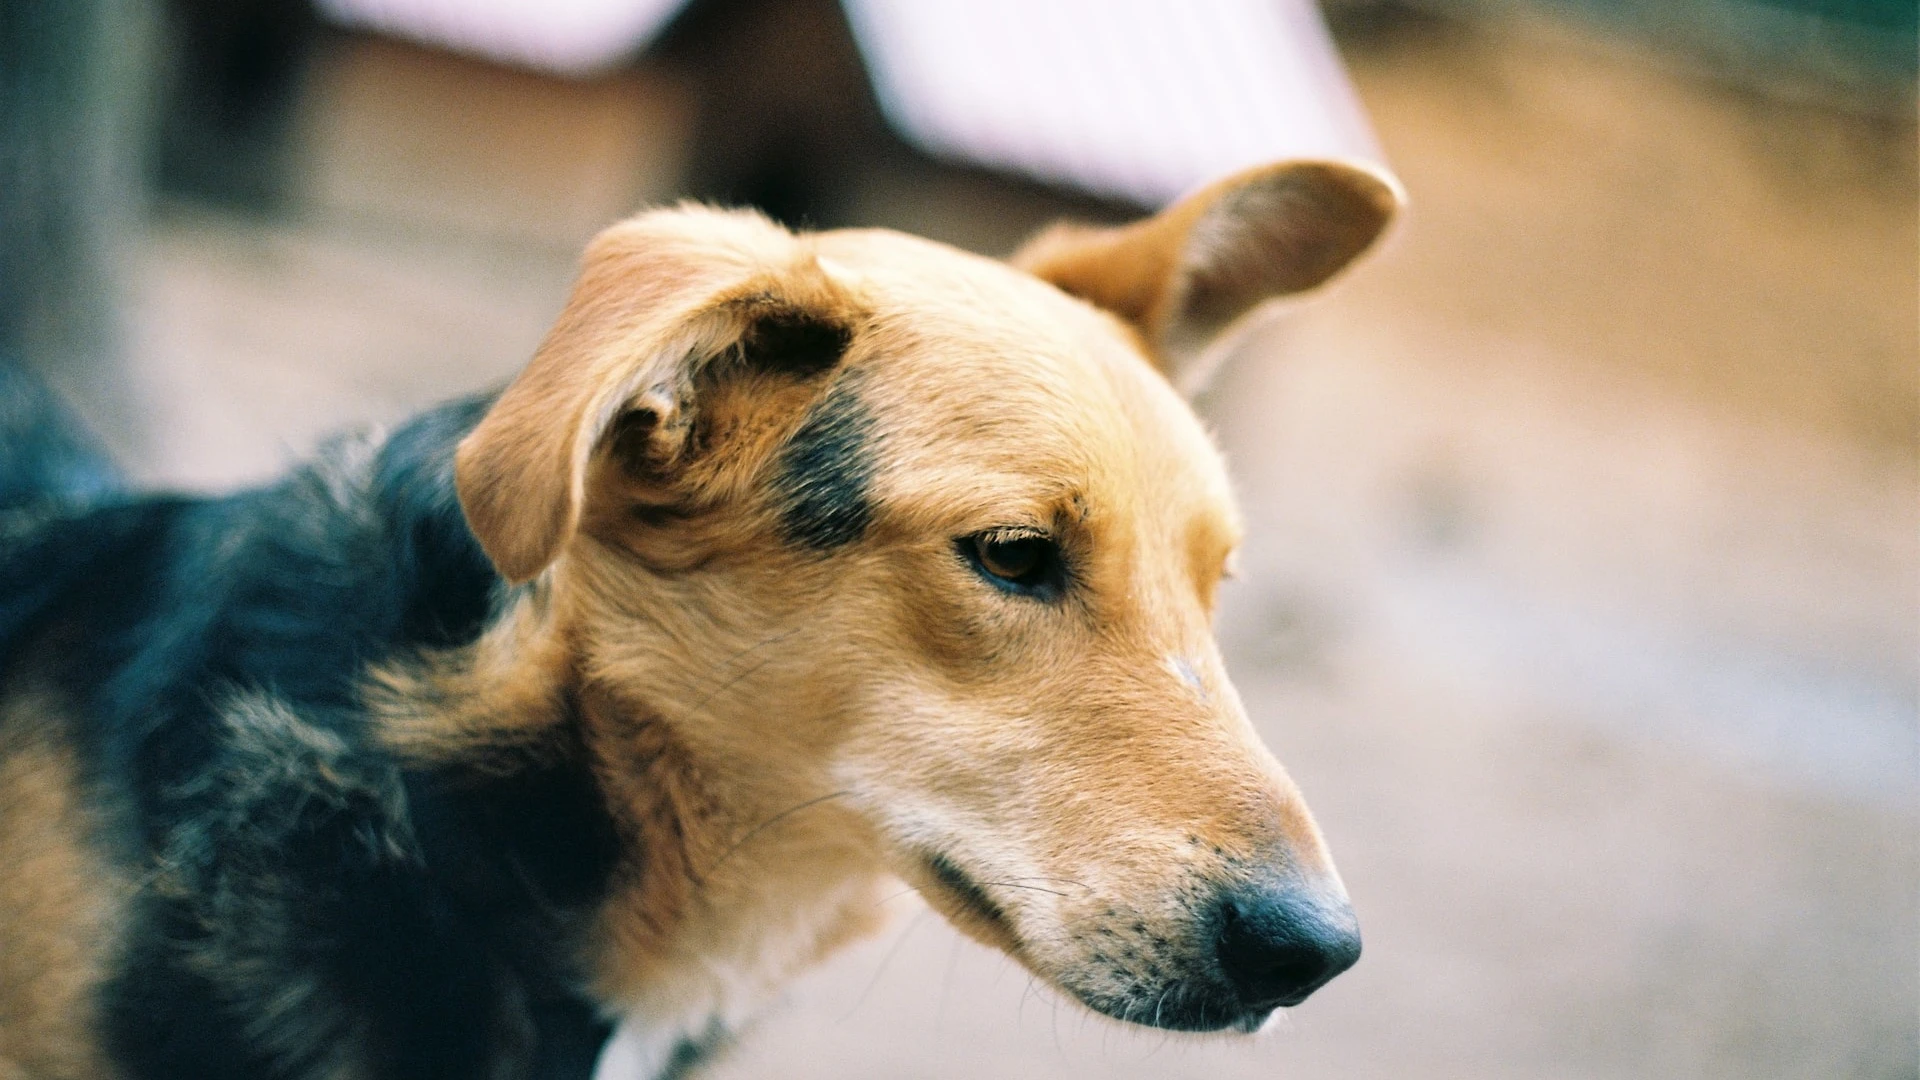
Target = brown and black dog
(791,564)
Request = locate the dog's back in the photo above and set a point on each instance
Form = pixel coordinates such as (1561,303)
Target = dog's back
(188,785)
(59,893)
(49,466)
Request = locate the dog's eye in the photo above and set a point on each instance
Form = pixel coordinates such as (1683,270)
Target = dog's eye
(1017,561)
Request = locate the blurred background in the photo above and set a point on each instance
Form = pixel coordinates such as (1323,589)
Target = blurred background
(1583,588)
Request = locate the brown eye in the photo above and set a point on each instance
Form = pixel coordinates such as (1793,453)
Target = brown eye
(1011,559)
(1021,562)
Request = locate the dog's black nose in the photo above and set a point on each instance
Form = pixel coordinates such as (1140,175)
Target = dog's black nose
(1279,943)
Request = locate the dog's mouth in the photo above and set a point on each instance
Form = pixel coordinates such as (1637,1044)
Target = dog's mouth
(1186,1005)
(1117,985)
(968,904)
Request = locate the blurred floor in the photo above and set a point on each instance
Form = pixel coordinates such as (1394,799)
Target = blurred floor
(1581,593)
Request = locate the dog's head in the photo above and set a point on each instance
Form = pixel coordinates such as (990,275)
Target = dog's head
(860,516)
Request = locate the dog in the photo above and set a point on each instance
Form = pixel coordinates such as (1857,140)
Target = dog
(792,565)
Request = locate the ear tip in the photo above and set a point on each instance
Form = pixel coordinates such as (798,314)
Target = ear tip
(516,564)
(1384,197)
(1360,181)
(1363,195)
(491,520)
(1378,186)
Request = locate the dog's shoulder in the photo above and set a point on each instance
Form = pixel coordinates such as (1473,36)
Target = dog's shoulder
(292,588)
(318,911)
(313,906)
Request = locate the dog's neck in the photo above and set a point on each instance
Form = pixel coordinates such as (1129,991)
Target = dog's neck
(719,904)
(725,885)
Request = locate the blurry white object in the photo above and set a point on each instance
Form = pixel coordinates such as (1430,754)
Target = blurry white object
(571,37)
(1142,99)
(1138,99)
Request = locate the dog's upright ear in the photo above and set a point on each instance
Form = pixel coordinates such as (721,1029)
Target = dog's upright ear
(1185,274)
(669,308)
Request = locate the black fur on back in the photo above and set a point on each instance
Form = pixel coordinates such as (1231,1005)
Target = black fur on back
(49,465)
(314,905)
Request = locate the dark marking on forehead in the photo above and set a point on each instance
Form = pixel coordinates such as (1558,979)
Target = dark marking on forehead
(825,470)
(794,342)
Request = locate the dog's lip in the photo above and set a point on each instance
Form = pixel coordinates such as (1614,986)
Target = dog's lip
(969,897)
(1201,1013)
(990,924)
(1285,1001)
(1253,1020)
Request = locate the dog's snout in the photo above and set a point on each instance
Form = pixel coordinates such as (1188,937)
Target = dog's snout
(1278,943)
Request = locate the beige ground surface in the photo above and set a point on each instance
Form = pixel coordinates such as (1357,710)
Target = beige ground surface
(1582,592)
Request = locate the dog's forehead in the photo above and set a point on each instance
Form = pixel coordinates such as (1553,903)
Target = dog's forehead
(986,380)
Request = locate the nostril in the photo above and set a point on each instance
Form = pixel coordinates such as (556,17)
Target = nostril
(1264,970)
(1277,946)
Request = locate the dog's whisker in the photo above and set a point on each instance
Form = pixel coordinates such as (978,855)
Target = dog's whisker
(757,646)
(1017,885)
(729,684)
(734,680)
(885,961)
(782,815)
(891,897)
(1043,877)
(1020,1014)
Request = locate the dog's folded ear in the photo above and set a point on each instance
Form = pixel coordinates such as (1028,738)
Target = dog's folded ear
(669,308)
(1184,275)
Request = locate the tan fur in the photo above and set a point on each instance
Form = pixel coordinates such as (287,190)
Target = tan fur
(61,901)
(656,298)
(781,728)
(1184,276)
